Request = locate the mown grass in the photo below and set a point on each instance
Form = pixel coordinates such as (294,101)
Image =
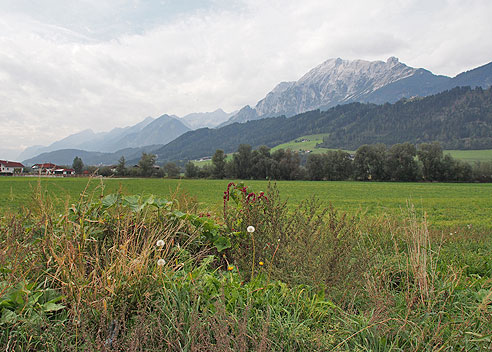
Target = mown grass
(471,156)
(446,204)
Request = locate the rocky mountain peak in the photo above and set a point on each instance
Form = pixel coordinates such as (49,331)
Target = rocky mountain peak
(335,81)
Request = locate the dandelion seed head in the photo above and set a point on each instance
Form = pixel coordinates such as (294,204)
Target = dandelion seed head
(160,243)
(250,229)
(161,262)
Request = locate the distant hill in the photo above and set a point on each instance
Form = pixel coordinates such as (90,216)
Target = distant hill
(66,156)
(88,140)
(338,81)
(460,118)
(150,131)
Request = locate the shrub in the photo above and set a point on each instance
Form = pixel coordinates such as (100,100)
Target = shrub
(311,245)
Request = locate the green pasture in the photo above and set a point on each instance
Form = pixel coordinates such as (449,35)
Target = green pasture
(471,156)
(447,204)
(311,141)
(304,143)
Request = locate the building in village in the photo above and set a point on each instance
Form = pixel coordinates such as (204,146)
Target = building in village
(52,169)
(10,167)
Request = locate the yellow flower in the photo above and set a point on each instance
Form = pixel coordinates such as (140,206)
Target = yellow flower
(261,263)
(230,268)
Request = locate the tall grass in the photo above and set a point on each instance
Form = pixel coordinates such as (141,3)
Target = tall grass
(93,277)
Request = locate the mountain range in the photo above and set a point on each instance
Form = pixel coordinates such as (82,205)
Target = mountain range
(150,131)
(460,118)
(334,82)
(338,81)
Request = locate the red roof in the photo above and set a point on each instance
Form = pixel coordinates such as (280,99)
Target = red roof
(7,163)
(45,166)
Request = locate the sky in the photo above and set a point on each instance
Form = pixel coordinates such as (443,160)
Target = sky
(69,65)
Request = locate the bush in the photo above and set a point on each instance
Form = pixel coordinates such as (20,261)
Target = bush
(311,245)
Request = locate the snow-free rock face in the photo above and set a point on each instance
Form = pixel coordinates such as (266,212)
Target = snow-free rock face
(334,82)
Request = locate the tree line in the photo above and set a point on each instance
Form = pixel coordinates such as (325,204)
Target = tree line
(376,162)
(404,162)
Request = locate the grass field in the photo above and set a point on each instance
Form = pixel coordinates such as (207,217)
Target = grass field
(447,204)
(122,276)
(309,143)
(470,156)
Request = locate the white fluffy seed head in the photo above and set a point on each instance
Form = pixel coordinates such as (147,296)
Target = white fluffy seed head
(161,262)
(250,229)
(160,243)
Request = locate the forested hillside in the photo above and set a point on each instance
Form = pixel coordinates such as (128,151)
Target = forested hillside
(460,118)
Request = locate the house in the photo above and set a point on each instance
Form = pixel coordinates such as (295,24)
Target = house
(10,167)
(45,168)
(64,172)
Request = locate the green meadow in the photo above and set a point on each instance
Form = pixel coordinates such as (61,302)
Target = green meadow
(84,270)
(446,204)
(311,141)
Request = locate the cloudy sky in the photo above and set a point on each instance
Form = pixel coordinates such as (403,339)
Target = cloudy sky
(69,65)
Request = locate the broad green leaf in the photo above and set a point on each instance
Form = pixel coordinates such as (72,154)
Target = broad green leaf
(109,200)
(222,243)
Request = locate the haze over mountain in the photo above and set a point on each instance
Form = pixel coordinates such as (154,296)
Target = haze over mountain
(66,156)
(338,81)
(87,140)
(206,119)
(150,131)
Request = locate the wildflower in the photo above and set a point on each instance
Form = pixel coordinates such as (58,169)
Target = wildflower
(250,229)
(261,263)
(230,268)
(160,243)
(161,262)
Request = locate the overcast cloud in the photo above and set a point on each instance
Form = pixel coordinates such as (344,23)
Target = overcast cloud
(70,65)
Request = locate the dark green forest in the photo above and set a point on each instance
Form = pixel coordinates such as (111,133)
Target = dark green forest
(460,118)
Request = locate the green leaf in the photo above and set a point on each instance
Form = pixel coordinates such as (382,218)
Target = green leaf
(179,214)
(33,299)
(222,243)
(109,200)
(52,307)
(8,317)
(162,203)
(133,202)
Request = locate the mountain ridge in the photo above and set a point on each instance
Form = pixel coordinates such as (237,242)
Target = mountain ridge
(460,118)
(338,81)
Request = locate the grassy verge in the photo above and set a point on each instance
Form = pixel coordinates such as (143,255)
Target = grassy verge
(126,272)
